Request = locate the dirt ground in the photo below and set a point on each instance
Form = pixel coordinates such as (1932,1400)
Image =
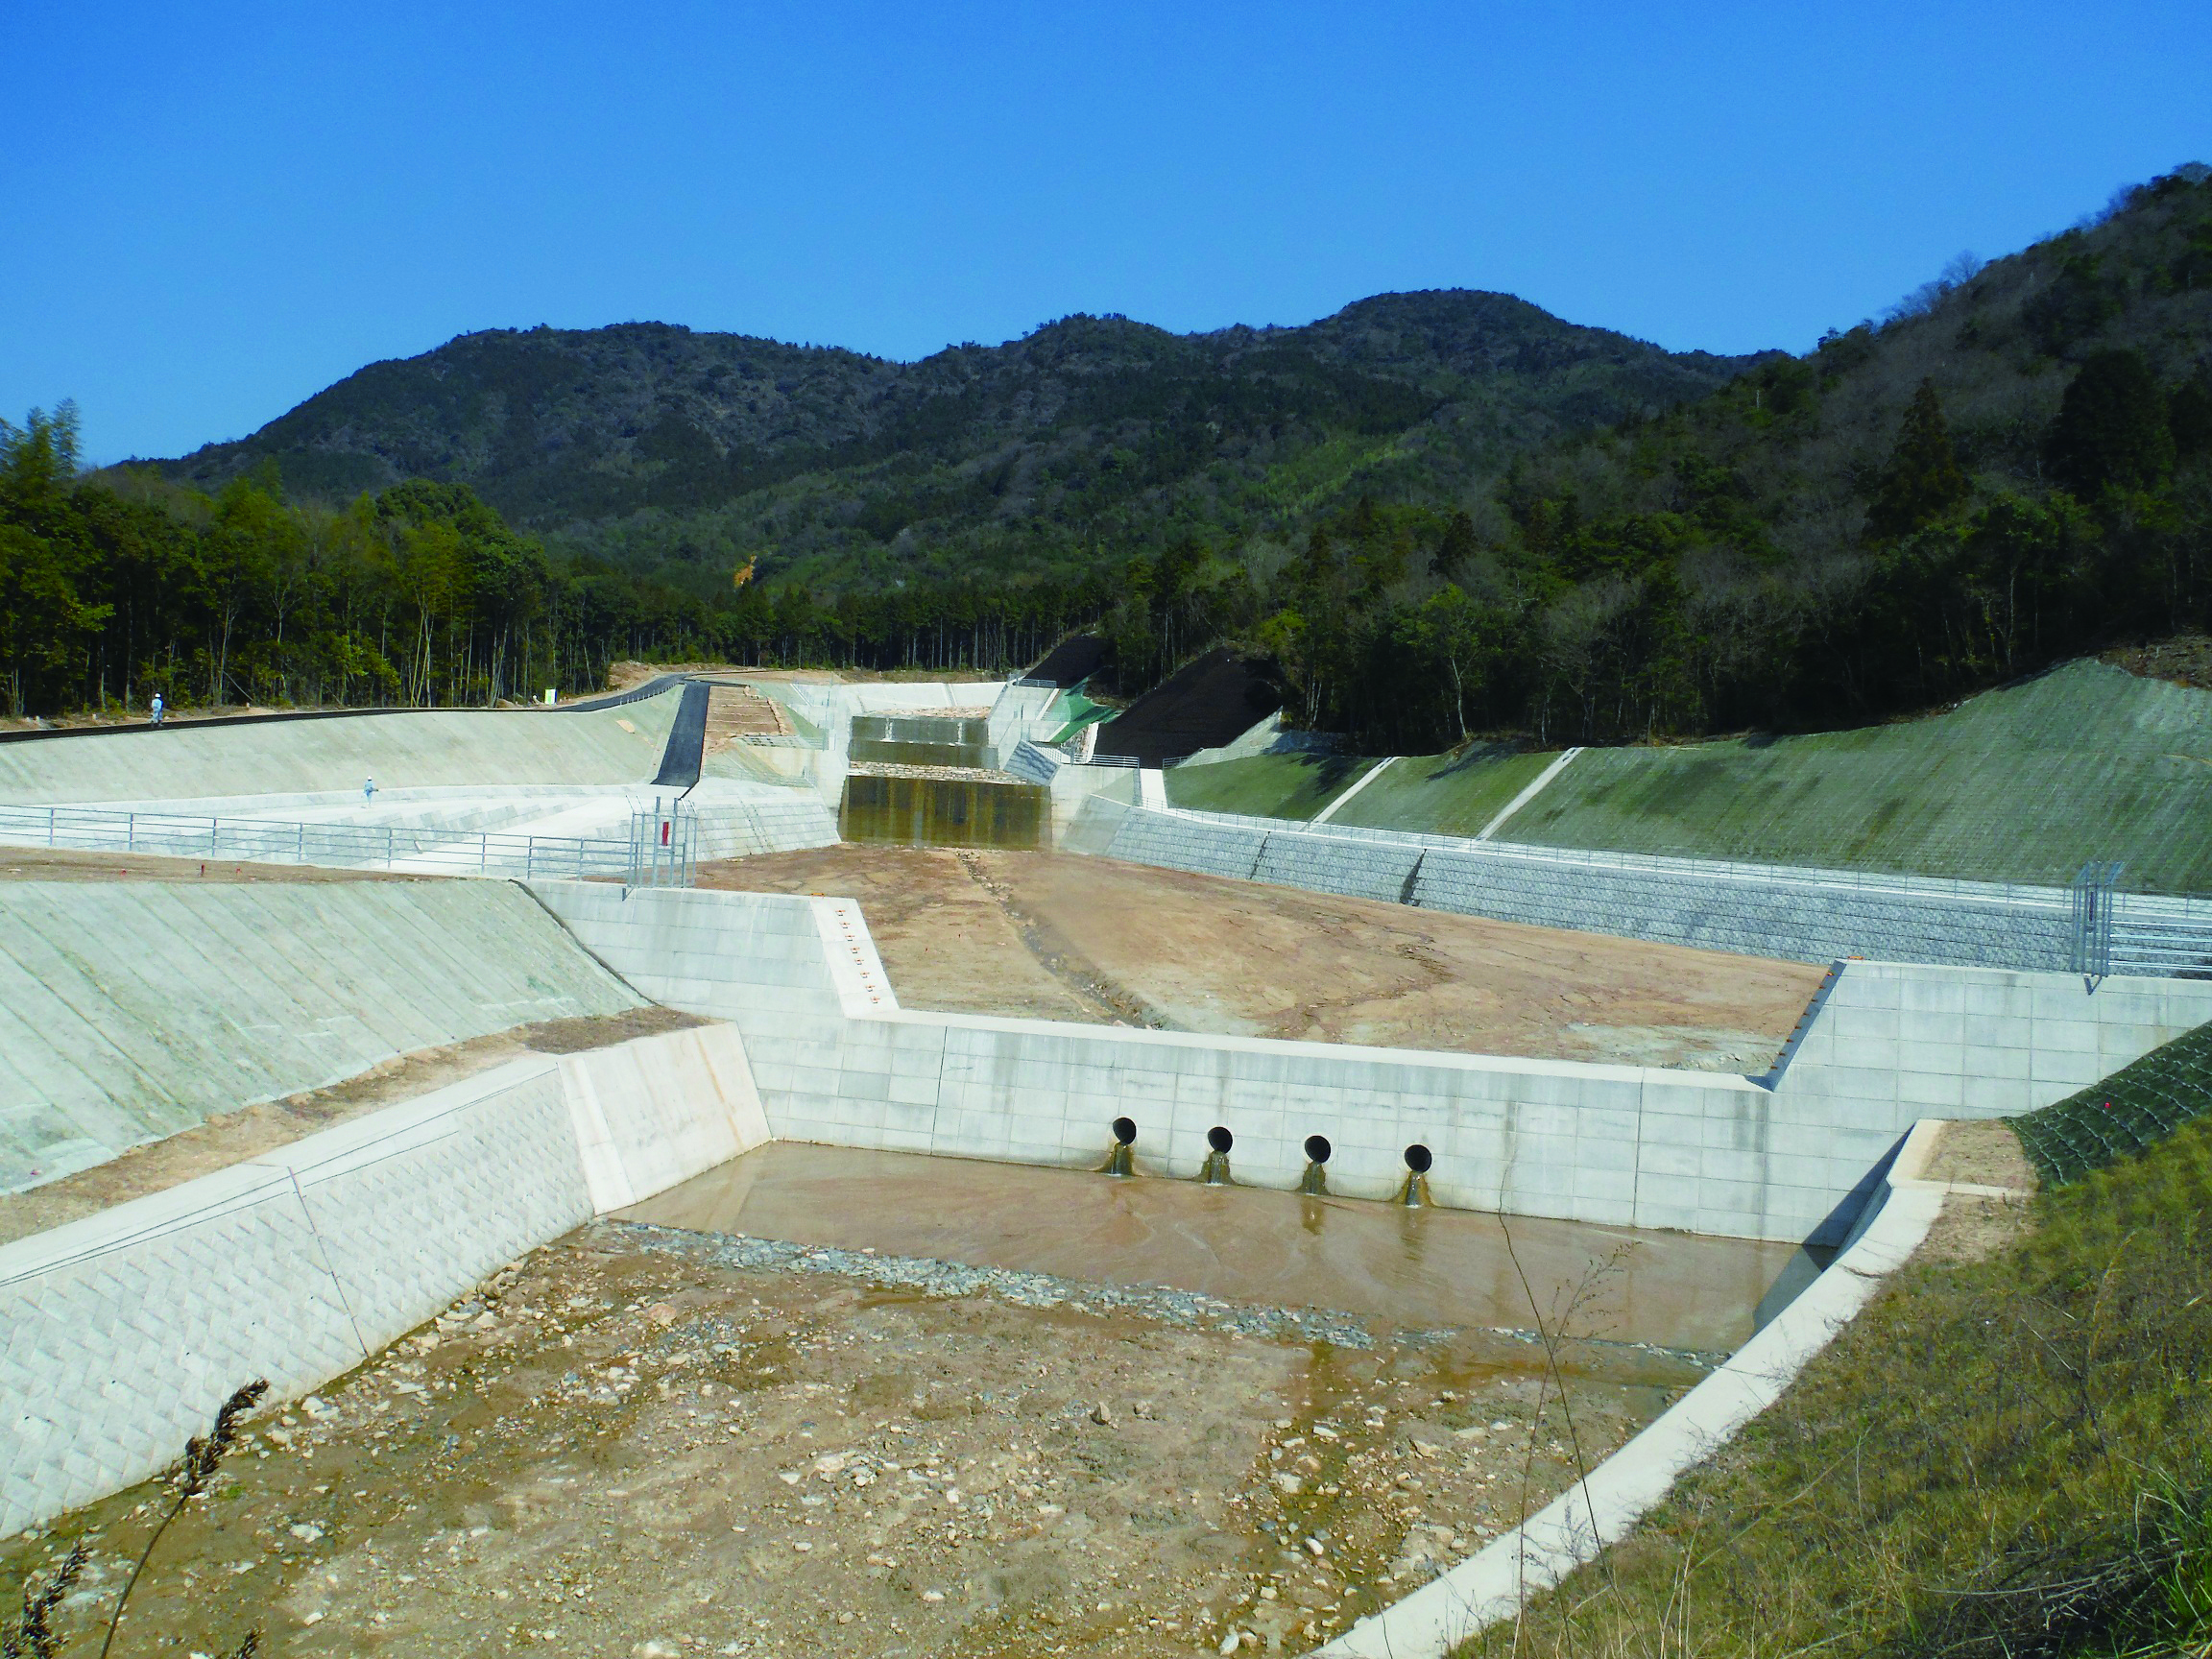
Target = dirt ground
(1075,938)
(62,864)
(252,1130)
(627,1445)
(1974,1226)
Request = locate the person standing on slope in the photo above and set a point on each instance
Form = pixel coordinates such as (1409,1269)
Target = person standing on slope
(159,708)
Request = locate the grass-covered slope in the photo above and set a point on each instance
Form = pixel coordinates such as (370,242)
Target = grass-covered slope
(1267,785)
(2024,783)
(2136,1106)
(2006,1458)
(1445,794)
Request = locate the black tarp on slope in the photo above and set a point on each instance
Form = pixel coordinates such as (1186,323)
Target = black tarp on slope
(686,749)
(1213,700)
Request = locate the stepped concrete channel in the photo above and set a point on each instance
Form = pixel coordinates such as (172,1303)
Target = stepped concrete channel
(120,1333)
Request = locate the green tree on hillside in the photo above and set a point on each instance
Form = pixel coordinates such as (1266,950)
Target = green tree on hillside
(1458,547)
(2111,428)
(1923,480)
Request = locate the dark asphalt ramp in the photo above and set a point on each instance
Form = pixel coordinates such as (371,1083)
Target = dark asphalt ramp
(686,748)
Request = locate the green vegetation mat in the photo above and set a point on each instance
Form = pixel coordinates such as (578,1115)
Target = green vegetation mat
(2133,1109)
(1267,785)
(2000,1458)
(1445,794)
(2022,784)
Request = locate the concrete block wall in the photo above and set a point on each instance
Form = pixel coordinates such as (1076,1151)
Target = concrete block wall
(122,1333)
(837,1061)
(1810,916)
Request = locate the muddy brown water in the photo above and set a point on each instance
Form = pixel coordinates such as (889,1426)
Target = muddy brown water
(1398,1269)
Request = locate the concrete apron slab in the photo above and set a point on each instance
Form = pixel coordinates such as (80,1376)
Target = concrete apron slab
(1602,1508)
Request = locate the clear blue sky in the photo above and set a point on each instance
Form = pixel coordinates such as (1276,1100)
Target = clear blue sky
(211,212)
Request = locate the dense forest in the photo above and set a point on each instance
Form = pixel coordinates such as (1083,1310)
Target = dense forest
(1436,515)
(118,585)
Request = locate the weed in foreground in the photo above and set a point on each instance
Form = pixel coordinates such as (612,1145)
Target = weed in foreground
(2002,1460)
(33,1636)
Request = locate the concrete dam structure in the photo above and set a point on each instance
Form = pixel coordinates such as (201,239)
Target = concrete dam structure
(143,1014)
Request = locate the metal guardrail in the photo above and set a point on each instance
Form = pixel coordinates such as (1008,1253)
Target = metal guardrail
(648,857)
(1130,762)
(2139,934)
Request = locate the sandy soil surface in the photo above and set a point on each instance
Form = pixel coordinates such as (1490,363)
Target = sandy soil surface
(1973,1227)
(252,1130)
(1983,1153)
(1074,938)
(650,1444)
(62,864)
(734,711)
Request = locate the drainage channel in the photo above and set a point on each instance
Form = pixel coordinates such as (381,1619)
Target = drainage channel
(1400,1267)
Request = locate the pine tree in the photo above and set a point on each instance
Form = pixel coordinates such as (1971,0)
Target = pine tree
(2111,428)
(1457,547)
(1923,480)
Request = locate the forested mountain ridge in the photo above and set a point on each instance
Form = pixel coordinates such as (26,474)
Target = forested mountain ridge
(2014,465)
(1434,515)
(687,452)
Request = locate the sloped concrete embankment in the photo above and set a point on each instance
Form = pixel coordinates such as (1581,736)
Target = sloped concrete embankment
(1806,915)
(437,747)
(1788,1156)
(131,1011)
(121,1333)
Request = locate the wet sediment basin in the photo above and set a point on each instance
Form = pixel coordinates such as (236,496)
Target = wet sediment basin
(1394,1268)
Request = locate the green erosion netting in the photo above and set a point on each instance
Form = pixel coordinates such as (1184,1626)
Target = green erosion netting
(2022,784)
(2137,1105)
(1269,786)
(1445,794)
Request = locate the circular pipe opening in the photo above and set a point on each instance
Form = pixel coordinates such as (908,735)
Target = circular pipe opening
(1418,1159)
(1219,1139)
(1317,1148)
(1126,1131)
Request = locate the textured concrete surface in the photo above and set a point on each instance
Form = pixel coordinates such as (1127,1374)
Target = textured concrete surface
(1806,914)
(1784,1157)
(620,745)
(130,1011)
(120,1333)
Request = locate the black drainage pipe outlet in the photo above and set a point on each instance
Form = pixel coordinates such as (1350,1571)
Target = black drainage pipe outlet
(1414,1195)
(1315,1183)
(1122,1159)
(1215,1171)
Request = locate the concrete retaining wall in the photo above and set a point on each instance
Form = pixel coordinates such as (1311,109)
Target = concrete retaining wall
(121,1333)
(1806,915)
(130,1011)
(1780,1157)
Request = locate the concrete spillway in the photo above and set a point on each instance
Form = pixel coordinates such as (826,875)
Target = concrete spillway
(945,811)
